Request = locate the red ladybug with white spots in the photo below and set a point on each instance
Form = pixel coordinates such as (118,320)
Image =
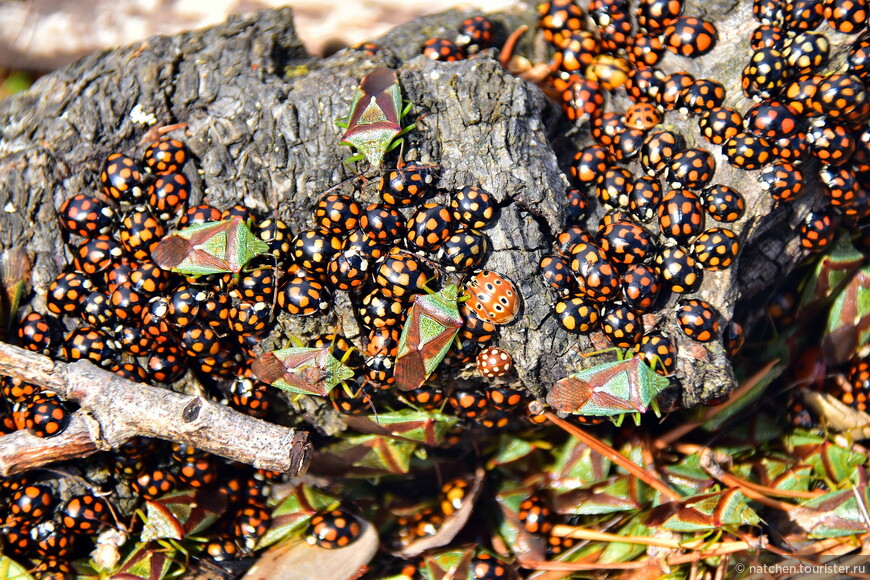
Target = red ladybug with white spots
(494,362)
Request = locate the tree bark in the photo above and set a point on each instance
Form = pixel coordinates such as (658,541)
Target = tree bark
(259,114)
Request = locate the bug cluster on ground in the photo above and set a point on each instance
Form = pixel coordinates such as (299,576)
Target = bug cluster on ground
(155,287)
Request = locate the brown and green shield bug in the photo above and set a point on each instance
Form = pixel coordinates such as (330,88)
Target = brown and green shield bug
(432,323)
(374,123)
(209,248)
(302,370)
(611,389)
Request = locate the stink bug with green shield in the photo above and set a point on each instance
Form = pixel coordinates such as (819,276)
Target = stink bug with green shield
(302,370)
(209,248)
(610,389)
(432,323)
(374,122)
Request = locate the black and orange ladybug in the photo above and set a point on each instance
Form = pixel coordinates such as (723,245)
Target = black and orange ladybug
(122,178)
(87,216)
(621,325)
(464,250)
(677,268)
(701,96)
(96,254)
(487,567)
(46,416)
(658,352)
(337,213)
(430,226)
(406,184)
(313,249)
(698,319)
(38,333)
(32,503)
(470,404)
(583,101)
(167,363)
(303,296)
(558,19)
(655,15)
(165,156)
(783,181)
(472,206)
(199,214)
(691,168)
(401,274)
(151,484)
(333,529)
(640,287)
(644,198)
(475,34)
(91,344)
(577,314)
(748,151)
(442,49)
(598,278)
(658,150)
(716,248)
(168,195)
(680,214)
(625,242)
(588,165)
(250,523)
(382,223)
(140,231)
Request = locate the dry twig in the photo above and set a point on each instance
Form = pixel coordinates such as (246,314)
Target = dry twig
(114,409)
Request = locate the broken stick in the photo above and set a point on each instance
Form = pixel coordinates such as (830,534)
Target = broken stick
(114,409)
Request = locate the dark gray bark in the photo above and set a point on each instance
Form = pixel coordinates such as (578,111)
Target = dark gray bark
(260,117)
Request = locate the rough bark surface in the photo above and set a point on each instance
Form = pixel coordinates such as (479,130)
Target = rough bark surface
(259,114)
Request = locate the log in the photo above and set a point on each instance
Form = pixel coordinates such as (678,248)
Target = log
(259,118)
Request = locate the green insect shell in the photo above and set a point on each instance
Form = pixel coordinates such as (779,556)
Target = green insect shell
(375,114)
(306,371)
(432,323)
(609,389)
(209,248)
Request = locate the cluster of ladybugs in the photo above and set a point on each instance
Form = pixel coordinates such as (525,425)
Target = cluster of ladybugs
(610,279)
(146,324)
(151,324)
(373,252)
(534,514)
(38,525)
(851,384)
(474,34)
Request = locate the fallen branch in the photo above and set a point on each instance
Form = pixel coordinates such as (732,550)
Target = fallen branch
(114,409)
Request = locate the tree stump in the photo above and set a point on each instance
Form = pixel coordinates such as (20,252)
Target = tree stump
(259,112)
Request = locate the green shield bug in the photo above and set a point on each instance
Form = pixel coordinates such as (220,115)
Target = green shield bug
(610,389)
(374,122)
(433,321)
(209,248)
(307,371)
